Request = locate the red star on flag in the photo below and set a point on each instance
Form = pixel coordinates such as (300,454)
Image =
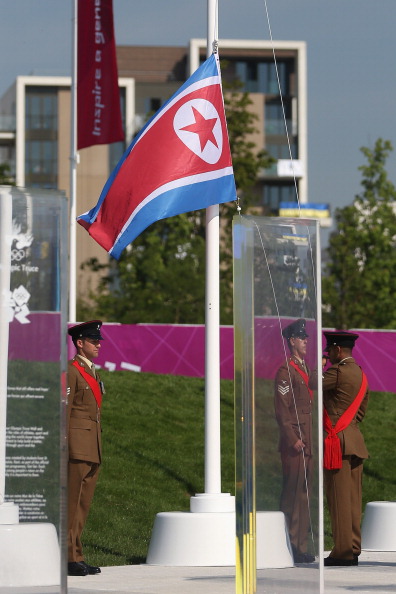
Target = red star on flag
(202,127)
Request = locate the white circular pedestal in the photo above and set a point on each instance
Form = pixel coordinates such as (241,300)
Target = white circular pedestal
(9,513)
(193,539)
(209,540)
(379,526)
(29,554)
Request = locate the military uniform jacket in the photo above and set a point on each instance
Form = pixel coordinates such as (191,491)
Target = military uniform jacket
(83,416)
(293,406)
(341,383)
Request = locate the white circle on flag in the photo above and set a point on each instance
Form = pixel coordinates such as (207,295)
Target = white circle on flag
(197,124)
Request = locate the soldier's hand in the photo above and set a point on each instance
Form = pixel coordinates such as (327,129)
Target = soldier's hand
(299,446)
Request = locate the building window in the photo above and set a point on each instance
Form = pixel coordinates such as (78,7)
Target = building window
(275,193)
(41,163)
(280,150)
(260,76)
(274,118)
(155,103)
(152,104)
(41,109)
(279,130)
(41,137)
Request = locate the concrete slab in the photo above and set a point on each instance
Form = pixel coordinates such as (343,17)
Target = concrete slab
(376,574)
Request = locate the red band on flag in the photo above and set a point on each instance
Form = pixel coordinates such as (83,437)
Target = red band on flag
(98,98)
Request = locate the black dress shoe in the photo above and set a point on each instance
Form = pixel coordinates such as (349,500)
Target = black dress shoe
(75,568)
(92,570)
(333,562)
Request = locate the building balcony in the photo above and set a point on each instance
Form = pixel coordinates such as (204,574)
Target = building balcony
(7,130)
(7,123)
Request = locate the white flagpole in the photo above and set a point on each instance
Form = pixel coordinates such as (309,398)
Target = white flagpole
(73,171)
(212,321)
(206,536)
(212,500)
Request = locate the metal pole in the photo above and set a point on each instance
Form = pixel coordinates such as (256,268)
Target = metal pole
(320,403)
(212,321)
(73,171)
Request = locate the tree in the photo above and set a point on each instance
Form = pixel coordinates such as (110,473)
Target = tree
(6,178)
(161,276)
(359,286)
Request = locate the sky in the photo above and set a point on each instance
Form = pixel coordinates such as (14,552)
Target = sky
(351,54)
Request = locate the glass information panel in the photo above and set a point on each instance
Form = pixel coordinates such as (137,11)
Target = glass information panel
(33,325)
(276,405)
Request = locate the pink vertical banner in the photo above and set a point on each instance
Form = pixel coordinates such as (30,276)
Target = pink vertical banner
(98,99)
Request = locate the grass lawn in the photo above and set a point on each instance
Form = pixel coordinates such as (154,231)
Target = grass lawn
(153,440)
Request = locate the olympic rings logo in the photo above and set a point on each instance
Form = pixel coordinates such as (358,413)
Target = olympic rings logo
(17,255)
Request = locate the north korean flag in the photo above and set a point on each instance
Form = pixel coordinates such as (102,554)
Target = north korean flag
(180,161)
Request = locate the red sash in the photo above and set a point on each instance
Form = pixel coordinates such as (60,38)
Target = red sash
(332,445)
(91,381)
(303,375)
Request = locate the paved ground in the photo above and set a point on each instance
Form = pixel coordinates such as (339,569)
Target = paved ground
(376,574)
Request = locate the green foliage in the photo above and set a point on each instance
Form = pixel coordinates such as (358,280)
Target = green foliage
(160,278)
(6,178)
(360,279)
(379,476)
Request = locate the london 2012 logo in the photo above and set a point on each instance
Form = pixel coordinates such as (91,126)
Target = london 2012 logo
(20,243)
(17,302)
(18,298)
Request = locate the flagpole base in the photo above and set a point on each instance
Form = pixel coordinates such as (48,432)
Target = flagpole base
(193,539)
(209,540)
(212,503)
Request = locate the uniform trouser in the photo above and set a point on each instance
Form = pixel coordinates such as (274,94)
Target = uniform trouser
(82,477)
(344,498)
(294,503)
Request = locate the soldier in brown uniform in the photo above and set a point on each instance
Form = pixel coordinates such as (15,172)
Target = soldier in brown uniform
(293,409)
(345,398)
(84,390)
